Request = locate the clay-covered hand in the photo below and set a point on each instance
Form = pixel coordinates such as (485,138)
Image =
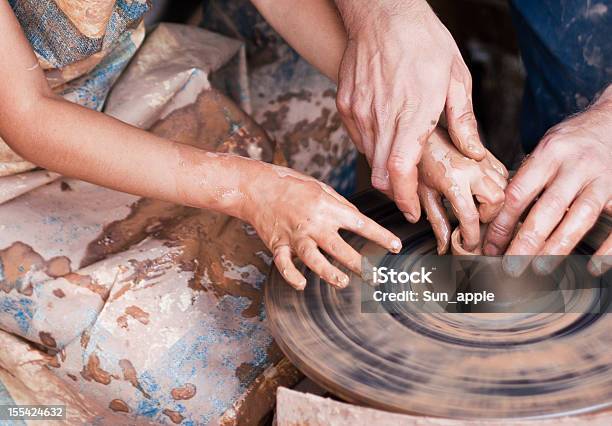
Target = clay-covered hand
(297,215)
(400,71)
(445,172)
(570,174)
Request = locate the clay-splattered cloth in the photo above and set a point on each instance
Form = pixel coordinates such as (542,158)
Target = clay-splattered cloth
(291,100)
(151,311)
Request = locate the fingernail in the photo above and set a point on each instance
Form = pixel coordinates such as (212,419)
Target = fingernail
(491,249)
(410,217)
(440,245)
(515,265)
(380,179)
(595,266)
(302,284)
(343,280)
(475,147)
(396,246)
(542,265)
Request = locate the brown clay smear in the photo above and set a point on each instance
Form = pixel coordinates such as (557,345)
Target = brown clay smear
(130,375)
(17,261)
(92,371)
(186,391)
(174,416)
(47,339)
(89,283)
(119,406)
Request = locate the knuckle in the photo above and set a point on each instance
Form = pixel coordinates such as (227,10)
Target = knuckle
(470,217)
(361,112)
(466,117)
(396,164)
(592,206)
(498,197)
(529,239)
(410,106)
(556,201)
(497,229)
(343,103)
(514,195)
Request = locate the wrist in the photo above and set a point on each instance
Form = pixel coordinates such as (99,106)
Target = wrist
(358,15)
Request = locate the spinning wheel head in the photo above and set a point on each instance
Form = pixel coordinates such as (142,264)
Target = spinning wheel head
(480,365)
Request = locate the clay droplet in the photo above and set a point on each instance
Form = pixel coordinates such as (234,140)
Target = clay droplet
(47,339)
(119,406)
(187,391)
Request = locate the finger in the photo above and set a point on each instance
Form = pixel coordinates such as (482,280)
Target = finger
(360,224)
(501,181)
(497,165)
(340,250)
(284,264)
(490,196)
(462,126)
(308,251)
(521,191)
(402,164)
(543,218)
(465,210)
(436,215)
(601,261)
(579,219)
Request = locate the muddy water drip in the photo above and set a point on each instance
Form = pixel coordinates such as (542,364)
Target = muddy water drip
(466,366)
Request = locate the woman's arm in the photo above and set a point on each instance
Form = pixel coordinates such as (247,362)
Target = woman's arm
(313,28)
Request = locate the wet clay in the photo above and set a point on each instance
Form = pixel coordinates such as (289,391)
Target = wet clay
(457,247)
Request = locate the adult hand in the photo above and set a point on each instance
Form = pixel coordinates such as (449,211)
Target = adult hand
(571,172)
(400,71)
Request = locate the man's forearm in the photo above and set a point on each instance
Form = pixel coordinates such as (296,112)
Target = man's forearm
(313,28)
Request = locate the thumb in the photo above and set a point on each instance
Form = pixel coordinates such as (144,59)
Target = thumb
(462,125)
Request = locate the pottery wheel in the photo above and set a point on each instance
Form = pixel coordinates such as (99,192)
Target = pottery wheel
(448,365)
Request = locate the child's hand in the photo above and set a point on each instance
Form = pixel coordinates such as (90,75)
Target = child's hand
(443,171)
(297,215)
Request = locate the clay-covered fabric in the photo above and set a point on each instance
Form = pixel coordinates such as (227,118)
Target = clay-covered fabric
(138,308)
(291,100)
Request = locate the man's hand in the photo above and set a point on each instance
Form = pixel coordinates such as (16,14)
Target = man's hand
(400,71)
(571,172)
